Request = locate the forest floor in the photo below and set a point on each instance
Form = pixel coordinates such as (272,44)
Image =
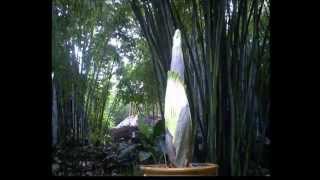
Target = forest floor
(89,160)
(121,158)
(102,160)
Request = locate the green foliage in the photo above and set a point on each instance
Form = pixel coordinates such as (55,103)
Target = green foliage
(83,62)
(151,138)
(226,52)
(158,129)
(94,81)
(145,129)
(138,83)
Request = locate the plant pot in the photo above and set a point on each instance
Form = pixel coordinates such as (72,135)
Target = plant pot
(197,169)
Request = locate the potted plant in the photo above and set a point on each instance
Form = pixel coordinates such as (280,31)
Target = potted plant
(178,125)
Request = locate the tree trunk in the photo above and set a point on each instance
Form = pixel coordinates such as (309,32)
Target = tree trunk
(54,115)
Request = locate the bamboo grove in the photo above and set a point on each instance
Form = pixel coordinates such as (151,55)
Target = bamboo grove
(80,92)
(226,46)
(86,68)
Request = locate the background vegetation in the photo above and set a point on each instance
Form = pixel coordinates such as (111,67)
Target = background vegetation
(110,60)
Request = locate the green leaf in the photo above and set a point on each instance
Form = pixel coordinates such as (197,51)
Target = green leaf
(158,129)
(127,150)
(144,128)
(144,156)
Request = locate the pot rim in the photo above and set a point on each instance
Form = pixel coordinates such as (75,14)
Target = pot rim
(161,167)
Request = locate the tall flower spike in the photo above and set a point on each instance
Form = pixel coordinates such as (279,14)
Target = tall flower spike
(178,122)
(177,63)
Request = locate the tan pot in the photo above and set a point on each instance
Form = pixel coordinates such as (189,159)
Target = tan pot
(201,169)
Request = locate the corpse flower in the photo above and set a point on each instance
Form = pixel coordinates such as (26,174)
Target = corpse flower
(178,122)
